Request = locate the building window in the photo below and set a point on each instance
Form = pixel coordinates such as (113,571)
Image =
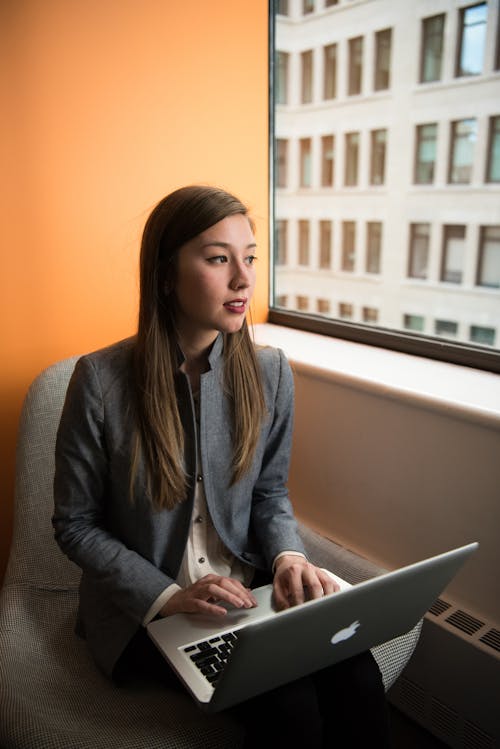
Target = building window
(373,246)
(281,78)
(323,306)
(488,270)
(355,74)
(346,311)
(370,315)
(330,71)
(446,328)
(481,335)
(305,162)
(281,241)
(348,245)
(377,157)
(282,300)
(325,244)
(418,260)
(472,39)
(303,242)
(302,303)
(307,77)
(453,254)
(307,6)
(425,154)
(329,3)
(351,159)
(282,7)
(414,322)
(282,162)
(383,40)
(463,139)
(493,165)
(432,48)
(327,160)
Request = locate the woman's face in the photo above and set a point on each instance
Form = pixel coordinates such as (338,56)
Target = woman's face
(215,279)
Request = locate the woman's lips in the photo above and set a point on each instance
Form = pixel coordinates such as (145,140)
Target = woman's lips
(236,306)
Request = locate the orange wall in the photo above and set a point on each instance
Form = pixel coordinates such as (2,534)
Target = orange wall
(110,104)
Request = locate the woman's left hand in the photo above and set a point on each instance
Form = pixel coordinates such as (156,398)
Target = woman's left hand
(296,580)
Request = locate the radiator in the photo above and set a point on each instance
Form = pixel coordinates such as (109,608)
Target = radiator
(451,685)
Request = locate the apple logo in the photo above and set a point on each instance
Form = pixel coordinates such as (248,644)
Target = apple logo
(344,634)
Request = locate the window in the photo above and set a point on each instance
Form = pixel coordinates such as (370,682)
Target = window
(307,77)
(446,328)
(351,159)
(305,162)
(370,315)
(282,162)
(377,158)
(414,322)
(348,245)
(419,251)
(488,272)
(383,41)
(281,78)
(481,335)
(432,49)
(303,242)
(281,242)
(463,139)
(327,160)
(385,194)
(346,311)
(425,154)
(355,66)
(325,244)
(472,39)
(373,246)
(330,71)
(493,165)
(453,254)
(282,300)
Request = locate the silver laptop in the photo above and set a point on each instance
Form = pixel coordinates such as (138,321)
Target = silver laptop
(258,649)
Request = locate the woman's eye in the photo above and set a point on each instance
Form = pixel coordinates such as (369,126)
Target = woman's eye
(217,259)
(251,259)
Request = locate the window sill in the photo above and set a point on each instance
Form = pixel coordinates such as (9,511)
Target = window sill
(461,392)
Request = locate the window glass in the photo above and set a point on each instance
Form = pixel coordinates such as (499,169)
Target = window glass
(386,175)
(472,39)
(355,71)
(383,41)
(425,157)
(463,140)
(432,48)
(493,167)
(330,71)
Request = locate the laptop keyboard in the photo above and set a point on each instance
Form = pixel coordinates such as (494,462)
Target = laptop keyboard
(210,656)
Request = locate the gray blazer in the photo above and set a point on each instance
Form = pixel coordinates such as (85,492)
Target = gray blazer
(128,552)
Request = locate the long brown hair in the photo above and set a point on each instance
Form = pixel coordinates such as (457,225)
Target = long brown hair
(175,220)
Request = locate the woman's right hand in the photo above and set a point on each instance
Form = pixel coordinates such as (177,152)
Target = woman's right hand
(203,596)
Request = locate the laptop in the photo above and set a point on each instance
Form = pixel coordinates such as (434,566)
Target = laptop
(258,649)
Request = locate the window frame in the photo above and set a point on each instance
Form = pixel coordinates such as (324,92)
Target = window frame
(407,342)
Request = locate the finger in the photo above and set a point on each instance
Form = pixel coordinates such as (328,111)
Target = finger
(238,589)
(223,591)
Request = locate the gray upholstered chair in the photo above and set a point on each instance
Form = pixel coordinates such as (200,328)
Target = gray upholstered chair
(51,695)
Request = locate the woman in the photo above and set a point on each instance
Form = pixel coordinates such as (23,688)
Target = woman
(172,460)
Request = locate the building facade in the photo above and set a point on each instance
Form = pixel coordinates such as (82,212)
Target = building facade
(387,164)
